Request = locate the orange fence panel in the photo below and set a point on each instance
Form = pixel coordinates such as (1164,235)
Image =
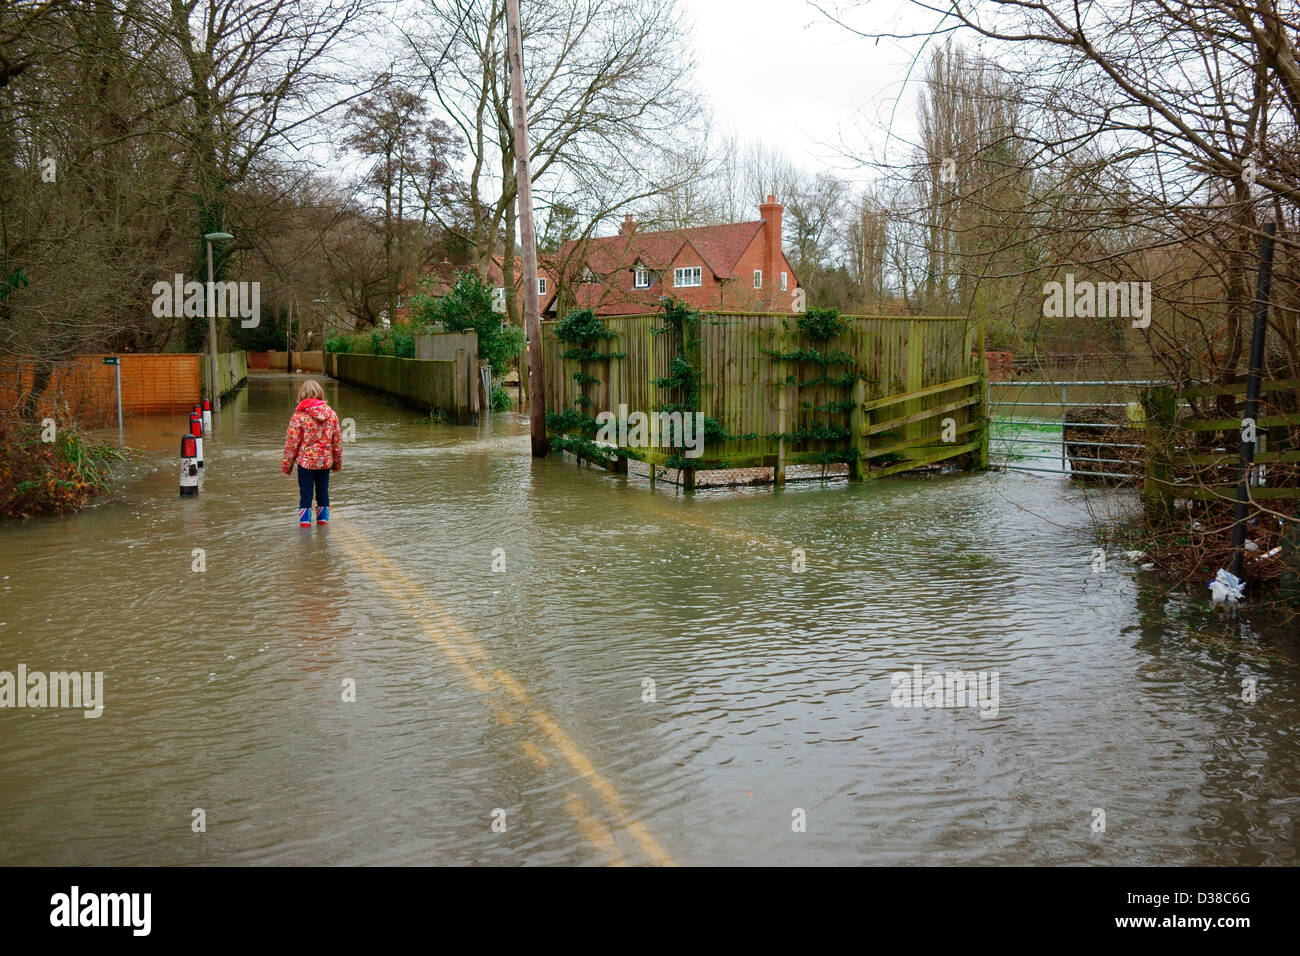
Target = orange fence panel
(152,384)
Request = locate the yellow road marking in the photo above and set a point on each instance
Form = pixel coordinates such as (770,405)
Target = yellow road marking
(475,679)
(595,833)
(535,752)
(508,682)
(602,786)
(567,748)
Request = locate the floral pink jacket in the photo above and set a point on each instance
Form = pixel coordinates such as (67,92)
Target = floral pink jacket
(314,439)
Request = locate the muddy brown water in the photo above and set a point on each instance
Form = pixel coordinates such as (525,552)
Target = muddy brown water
(648,680)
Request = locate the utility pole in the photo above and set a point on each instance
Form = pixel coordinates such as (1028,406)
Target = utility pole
(211,308)
(1259,330)
(210,301)
(527,234)
(288,366)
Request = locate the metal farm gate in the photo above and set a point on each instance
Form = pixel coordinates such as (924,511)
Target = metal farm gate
(1092,427)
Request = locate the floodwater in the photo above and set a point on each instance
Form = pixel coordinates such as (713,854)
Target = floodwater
(648,680)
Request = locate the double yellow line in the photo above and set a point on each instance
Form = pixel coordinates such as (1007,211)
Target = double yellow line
(480,673)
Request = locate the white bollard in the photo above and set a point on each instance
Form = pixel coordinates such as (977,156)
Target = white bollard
(189,466)
(207,416)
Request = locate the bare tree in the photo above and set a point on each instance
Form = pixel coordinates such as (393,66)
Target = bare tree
(411,172)
(128,128)
(607,91)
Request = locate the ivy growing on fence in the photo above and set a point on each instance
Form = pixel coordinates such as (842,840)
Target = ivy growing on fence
(684,377)
(818,326)
(582,331)
(574,429)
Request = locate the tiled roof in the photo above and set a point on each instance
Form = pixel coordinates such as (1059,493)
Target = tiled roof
(606,300)
(719,246)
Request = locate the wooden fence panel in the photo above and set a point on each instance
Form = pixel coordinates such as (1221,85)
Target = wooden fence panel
(745,387)
(152,384)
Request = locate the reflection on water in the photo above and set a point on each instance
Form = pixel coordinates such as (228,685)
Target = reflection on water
(647,673)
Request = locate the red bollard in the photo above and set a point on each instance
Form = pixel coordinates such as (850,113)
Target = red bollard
(196,431)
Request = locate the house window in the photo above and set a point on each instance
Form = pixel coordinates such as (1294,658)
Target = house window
(783,281)
(588,275)
(758,278)
(541,285)
(690,276)
(641,278)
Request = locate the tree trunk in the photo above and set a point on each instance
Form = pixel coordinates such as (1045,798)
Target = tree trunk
(40,381)
(508,269)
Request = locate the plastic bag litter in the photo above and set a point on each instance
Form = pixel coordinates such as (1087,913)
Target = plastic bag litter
(1227,587)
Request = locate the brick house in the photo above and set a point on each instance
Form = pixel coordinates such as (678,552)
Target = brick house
(735,267)
(545,278)
(442,281)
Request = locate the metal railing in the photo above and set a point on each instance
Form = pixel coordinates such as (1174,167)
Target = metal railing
(1002,451)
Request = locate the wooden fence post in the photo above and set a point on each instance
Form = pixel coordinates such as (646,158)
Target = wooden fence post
(1160,405)
(857,424)
(462,387)
(782,405)
(981,457)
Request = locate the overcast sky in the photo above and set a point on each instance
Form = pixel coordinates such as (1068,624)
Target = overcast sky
(779,71)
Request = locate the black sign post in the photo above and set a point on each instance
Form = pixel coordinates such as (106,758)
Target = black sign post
(116,362)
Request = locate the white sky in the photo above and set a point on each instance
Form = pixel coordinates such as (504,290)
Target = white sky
(818,89)
(779,72)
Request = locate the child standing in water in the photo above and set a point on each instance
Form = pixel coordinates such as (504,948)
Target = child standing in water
(315,443)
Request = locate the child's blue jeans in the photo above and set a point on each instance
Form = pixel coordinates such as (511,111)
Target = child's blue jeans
(313,479)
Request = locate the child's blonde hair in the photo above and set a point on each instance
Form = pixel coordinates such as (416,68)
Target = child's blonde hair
(310,389)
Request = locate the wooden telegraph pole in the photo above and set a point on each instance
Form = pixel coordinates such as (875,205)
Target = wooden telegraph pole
(527,234)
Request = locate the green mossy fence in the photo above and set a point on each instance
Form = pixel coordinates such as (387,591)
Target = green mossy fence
(1198,458)
(882,394)
(426,384)
(232,371)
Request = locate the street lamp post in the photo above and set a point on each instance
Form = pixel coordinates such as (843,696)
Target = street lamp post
(333,326)
(211,303)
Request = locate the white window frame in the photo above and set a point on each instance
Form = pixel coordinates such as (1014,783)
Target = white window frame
(640,278)
(682,275)
(588,275)
(541,285)
(784,282)
(758,278)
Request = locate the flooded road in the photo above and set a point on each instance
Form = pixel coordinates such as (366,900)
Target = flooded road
(648,680)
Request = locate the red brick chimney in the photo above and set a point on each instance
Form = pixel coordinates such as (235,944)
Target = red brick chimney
(628,227)
(770,212)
